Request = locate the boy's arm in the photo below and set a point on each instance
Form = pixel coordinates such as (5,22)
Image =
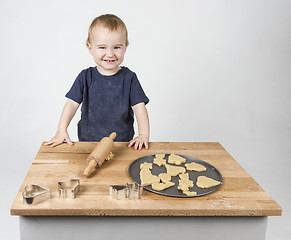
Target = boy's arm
(143,127)
(62,135)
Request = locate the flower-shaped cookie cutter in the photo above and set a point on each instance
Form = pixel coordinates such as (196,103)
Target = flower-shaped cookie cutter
(34,194)
(69,188)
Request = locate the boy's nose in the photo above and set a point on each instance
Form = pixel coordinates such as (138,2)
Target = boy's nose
(109,52)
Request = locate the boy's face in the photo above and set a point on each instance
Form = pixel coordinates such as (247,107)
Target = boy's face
(107,48)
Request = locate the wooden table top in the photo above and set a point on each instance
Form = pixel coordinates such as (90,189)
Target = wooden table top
(239,195)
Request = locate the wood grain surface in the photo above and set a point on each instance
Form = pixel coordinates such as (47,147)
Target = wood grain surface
(239,195)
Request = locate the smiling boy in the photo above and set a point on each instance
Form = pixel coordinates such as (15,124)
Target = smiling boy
(110,94)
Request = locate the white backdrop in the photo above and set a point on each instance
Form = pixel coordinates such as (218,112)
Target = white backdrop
(213,70)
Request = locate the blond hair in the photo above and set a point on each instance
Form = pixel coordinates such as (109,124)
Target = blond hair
(110,21)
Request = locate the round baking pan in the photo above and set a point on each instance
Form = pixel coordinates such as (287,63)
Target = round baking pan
(211,172)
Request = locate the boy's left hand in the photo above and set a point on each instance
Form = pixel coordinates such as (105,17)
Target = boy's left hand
(139,142)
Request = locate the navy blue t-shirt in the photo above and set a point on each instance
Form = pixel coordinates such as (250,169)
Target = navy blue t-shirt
(106,103)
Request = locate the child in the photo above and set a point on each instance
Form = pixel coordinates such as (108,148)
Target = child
(109,93)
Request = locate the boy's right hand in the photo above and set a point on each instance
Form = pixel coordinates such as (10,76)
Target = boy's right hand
(59,138)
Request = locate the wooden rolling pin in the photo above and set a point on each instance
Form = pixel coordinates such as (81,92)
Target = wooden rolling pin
(100,152)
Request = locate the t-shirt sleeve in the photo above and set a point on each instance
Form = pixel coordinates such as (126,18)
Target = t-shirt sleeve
(76,91)
(137,94)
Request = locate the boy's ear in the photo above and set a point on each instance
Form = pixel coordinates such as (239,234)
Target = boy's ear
(89,47)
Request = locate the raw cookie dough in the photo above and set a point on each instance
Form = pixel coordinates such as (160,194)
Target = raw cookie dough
(109,157)
(166,182)
(195,167)
(165,177)
(205,182)
(146,177)
(183,188)
(184,176)
(159,161)
(185,183)
(174,170)
(162,186)
(146,165)
(175,159)
(189,193)
(160,155)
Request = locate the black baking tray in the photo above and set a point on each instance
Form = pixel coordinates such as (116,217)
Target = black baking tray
(211,172)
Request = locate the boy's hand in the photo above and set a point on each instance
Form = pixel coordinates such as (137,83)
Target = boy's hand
(139,142)
(59,138)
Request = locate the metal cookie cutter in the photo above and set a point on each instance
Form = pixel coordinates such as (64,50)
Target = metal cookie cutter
(69,188)
(130,190)
(118,191)
(134,191)
(34,194)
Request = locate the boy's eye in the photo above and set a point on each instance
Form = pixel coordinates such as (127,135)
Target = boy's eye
(117,47)
(101,47)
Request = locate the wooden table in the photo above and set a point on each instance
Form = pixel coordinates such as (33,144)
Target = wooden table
(240,195)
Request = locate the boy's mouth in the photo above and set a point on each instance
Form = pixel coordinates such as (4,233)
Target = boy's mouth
(109,61)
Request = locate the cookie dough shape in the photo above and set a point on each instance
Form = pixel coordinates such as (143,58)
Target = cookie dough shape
(189,193)
(183,188)
(147,178)
(185,183)
(146,165)
(174,170)
(165,177)
(195,167)
(160,155)
(175,159)
(162,186)
(205,182)
(184,176)
(159,161)
(166,182)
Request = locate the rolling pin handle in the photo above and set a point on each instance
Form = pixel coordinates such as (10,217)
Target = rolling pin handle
(112,136)
(91,166)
